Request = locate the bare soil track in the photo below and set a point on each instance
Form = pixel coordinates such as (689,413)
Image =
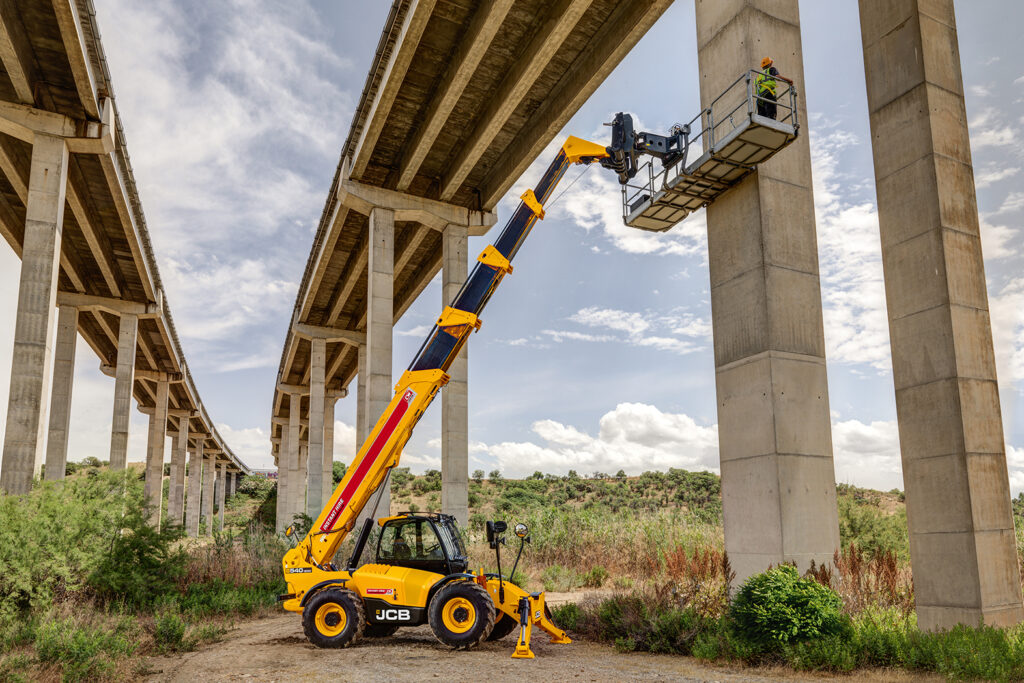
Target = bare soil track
(274,649)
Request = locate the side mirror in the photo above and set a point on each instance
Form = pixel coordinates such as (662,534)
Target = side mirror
(521,530)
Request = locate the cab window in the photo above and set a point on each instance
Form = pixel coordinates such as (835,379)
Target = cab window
(413,540)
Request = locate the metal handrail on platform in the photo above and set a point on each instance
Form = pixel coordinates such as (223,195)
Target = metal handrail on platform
(736,106)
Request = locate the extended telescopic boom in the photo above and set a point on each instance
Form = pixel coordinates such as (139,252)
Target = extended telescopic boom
(428,371)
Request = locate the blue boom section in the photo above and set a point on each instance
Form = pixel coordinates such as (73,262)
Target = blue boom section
(440,348)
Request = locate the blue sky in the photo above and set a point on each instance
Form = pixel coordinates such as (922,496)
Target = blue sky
(596,353)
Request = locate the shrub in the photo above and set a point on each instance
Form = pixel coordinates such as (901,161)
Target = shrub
(567,616)
(255,486)
(559,579)
(777,607)
(169,630)
(596,577)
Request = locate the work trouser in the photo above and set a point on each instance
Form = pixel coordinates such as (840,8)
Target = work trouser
(766,104)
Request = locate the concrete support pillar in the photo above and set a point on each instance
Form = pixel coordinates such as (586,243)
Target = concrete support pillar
(209,477)
(455,394)
(37,294)
(296,483)
(124,383)
(303,477)
(315,465)
(176,491)
(361,427)
(221,489)
(380,318)
(232,483)
(775,441)
(962,546)
(60,402)
(155,450)
(328,476)
(282,483)
(194,493)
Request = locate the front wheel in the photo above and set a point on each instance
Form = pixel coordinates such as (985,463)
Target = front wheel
(461,614)
(334,617)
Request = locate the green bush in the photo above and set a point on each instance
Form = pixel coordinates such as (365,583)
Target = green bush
(84,535)
(256,486)
(596,577)
(338,470)
(85,651)
(777,607)
(169,630)
(559,579)
(567,616)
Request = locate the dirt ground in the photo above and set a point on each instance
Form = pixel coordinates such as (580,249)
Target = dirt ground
(274,649)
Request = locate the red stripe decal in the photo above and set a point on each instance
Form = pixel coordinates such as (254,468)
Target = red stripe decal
(369,459)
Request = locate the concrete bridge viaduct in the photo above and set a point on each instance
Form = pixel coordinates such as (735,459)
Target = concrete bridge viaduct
(69,208)
(460,98)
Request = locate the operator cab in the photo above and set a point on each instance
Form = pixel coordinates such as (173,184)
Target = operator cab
(429,542)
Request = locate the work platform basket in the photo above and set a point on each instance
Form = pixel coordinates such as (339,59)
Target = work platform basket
(728,139)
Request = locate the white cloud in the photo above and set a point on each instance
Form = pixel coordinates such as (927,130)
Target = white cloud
(634,329)
(995,239)
(418,331)
(993,174)
(623,321)
(867,454)
(1013,202)
(853,290)
(634,437)
(1006,309)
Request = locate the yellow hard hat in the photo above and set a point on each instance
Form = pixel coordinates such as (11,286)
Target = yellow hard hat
(767,61)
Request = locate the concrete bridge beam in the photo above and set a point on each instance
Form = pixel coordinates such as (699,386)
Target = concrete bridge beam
(209,475)
(194,491)
(176,491)
(40,266)
(60,402)
(155,450)
(455,395)
(962,542)
(124,383)
(379,387)
(315,467)
(221,487)
(775,441)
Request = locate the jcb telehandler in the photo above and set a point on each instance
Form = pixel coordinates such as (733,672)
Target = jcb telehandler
(421,571)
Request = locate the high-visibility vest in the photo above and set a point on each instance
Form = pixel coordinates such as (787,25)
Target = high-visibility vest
(765,82)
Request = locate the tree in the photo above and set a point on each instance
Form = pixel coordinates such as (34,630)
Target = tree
(537,475)
(478,476)
(495,476)
(338,470)
(620,475)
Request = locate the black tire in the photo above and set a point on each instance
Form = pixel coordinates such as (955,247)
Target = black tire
(461,614)
(334,617)
(503,626)
(379,630)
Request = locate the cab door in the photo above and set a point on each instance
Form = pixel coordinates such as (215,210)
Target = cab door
(412,543)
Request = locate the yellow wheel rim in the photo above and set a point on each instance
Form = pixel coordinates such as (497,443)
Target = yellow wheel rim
(331,619)
(458,615)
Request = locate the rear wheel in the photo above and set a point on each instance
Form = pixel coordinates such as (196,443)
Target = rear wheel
(503,626)
(461,614)
(334,618)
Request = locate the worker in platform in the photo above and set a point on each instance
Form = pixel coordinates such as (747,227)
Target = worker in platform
(766,89)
